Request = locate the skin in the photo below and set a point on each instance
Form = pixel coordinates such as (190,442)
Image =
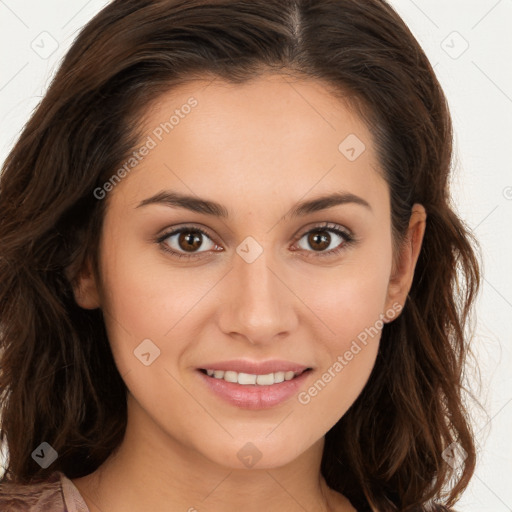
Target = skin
(257,149)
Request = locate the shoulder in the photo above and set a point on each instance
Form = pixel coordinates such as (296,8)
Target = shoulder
(42,495)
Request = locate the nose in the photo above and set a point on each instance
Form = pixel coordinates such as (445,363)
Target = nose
(261,307)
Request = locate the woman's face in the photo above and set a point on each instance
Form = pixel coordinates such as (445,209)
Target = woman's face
(260,292)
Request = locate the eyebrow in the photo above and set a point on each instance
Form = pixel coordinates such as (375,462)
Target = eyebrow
(208,207)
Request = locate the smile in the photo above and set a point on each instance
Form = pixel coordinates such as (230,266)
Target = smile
(247,379)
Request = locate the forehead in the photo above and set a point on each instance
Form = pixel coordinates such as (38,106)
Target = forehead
(254,111)
(270,137)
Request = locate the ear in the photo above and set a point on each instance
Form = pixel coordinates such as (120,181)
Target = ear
(403,270)
(85,288)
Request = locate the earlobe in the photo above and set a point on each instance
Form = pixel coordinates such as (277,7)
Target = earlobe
(85,288)
(403,272)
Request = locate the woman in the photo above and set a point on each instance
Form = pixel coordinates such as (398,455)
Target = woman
(229,268)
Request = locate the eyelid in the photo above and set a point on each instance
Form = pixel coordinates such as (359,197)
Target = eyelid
(328,226)
(175,230)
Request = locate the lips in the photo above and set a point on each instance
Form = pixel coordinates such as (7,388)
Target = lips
(254,385)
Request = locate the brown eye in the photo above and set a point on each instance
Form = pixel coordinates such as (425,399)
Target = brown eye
(319,240)
(326,240)
(187,240)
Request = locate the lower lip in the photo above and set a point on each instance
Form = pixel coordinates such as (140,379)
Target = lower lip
(254,396)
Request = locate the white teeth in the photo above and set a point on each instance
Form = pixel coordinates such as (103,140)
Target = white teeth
(278,377)
(265,380)
(288,375)
(246,378)
(231,376)
(251,379)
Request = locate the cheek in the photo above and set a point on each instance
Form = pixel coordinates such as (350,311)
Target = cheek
(144,294)
(350,304)
(349,299)
(351,311)
(149,299)
(338,384)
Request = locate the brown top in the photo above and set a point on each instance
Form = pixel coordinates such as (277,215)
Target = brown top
(56,494)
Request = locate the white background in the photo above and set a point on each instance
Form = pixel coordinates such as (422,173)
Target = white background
(35,35)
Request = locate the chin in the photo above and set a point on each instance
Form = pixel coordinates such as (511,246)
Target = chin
(260,453)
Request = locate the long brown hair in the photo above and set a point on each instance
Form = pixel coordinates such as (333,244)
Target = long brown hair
(58,381)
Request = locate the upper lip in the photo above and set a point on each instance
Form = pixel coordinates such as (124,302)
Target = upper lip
(256,367)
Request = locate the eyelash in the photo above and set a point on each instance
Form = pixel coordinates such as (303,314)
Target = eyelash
(348,237)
